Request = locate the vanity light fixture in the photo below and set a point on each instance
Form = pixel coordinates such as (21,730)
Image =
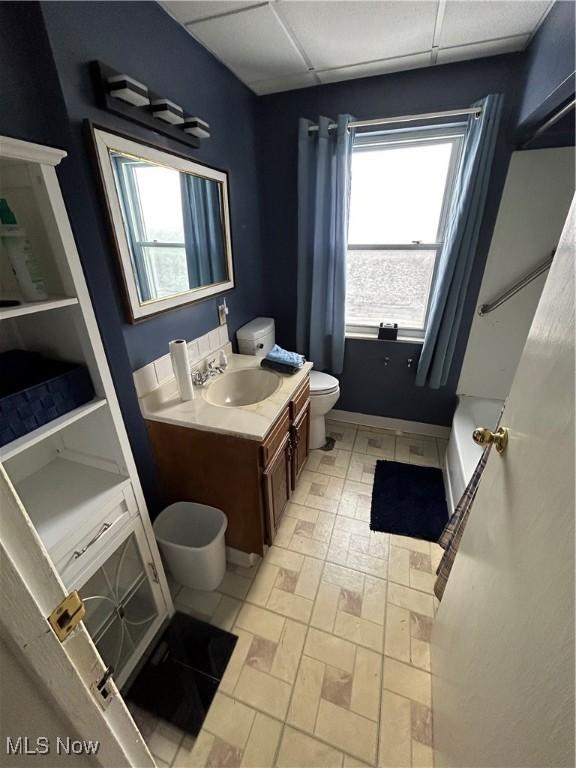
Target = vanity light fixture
(129,90)
(168,111)
(196,127)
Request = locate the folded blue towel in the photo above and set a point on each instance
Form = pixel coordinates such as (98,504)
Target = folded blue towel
(279,355)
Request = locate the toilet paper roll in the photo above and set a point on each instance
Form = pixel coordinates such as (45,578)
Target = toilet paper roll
(179,355)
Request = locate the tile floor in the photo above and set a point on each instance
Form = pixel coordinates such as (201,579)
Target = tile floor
(332,663)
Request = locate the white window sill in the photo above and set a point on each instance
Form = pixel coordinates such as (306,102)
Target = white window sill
(402,336)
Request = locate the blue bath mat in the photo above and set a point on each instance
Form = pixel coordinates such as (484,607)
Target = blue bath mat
(408,500)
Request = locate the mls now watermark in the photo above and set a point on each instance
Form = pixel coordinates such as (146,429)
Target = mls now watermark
(24,745)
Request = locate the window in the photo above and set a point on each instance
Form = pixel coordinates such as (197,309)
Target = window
(401,188)
(153,212)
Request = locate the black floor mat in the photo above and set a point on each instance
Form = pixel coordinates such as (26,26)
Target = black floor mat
(181,676)
(408,500)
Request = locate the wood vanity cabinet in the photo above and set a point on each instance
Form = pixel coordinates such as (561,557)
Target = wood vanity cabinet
(250,481)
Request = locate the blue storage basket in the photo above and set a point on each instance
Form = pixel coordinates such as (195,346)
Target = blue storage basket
(35,390)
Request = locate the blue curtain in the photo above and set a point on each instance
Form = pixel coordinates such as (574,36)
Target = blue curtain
(203,230)
(459,251)
(324,159)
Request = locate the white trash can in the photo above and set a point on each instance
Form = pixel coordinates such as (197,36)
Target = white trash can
(191,539)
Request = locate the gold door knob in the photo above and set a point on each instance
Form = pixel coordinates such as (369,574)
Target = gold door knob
(485,436)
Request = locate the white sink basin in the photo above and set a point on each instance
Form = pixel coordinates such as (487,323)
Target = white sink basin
(242,387)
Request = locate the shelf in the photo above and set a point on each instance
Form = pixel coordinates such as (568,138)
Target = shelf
(26,441)
(60,497)
(32,307)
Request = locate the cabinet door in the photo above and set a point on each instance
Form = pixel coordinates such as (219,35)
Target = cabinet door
(277,486)
(300,435)
(124,604)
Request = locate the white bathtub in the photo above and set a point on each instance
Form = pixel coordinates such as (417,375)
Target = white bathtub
(463,454)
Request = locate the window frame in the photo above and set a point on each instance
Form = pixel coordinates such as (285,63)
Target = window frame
(370,142)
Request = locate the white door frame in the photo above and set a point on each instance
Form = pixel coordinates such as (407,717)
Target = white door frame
(30,589)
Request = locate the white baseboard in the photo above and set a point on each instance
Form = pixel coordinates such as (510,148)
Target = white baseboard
(384,422)
(237,557)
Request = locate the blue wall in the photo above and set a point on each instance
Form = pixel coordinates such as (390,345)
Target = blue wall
(550,66)
(46,99)
(367,385)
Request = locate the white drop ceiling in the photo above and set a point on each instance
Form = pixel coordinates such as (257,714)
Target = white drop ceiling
(286,44)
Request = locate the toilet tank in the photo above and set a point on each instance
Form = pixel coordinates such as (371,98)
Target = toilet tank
(256,337)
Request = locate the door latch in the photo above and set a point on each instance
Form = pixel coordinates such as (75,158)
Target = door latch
(103,688)
(67,615)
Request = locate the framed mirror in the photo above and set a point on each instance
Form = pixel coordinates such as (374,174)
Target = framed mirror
(171,222)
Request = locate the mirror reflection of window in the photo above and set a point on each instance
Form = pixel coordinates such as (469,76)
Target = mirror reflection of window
(174,227)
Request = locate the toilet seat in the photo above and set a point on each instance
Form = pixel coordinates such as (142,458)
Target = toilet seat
(322,383)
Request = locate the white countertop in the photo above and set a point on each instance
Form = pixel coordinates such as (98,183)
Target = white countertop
(250,421)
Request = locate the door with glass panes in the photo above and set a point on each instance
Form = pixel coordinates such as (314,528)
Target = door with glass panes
(124,603)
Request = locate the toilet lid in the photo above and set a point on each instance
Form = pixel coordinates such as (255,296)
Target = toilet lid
(322,383)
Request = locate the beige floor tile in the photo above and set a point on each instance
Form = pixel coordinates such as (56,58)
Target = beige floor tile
(199,755)
(262,743)
(164,742)
(374,600)
(436,554)
(263,584)
(308,546)
(347,731)
(399,565)
(422,580)
(331,650)
(397,635)
(416,545)
(285,531)
(226,613)
(380,444)
(359,631)
(375,566)
(411,599)
(353,762)
(260,622)
(334,463)
(407,681)
(366,684)
(395,732)
(343,434)
(417,450)
(361,468)
(422,755)
(234,585)
(230,720)
(237,660)
(420,654)
(306,695)
(289,651)
(197,602)
(343,577)
(297,750)
(288,604)
(309,578)
(264,692)
(300,512)
(283,558)
(325,607)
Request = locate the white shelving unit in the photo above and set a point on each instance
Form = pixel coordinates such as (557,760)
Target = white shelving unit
(75,476)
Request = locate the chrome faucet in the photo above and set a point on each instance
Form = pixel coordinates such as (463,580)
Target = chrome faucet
(199,378)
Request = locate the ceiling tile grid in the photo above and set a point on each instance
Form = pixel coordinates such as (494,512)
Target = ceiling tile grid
(280,45)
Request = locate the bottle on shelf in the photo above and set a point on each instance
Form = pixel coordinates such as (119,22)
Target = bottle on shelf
(21,256)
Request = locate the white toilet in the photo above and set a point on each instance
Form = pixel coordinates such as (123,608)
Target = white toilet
(257,338)
(324,392)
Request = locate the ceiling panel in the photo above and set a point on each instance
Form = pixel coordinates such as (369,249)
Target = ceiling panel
(335,34)
(479,50)
(475,20)
(253,44)
(193,10)
(374,68)
(288,83)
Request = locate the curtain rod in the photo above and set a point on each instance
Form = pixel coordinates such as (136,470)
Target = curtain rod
(550,122)
(477,111)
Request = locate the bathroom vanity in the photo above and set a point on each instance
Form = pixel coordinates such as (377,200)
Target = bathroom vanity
(242,458)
